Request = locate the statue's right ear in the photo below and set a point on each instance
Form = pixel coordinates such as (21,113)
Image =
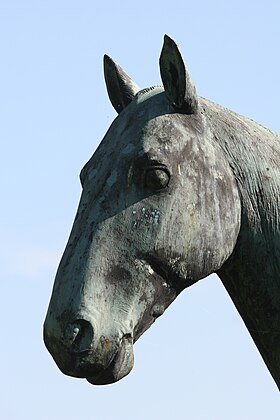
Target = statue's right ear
(121,88)
(178,85)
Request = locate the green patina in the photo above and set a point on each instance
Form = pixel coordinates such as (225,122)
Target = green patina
(179,188)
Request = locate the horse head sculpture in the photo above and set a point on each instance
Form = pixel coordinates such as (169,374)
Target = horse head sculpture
(178,189)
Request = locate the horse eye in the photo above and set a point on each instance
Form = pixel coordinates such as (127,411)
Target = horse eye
(156,178)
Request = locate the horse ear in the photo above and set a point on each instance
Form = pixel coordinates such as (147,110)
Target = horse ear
(121,89)
(176,79)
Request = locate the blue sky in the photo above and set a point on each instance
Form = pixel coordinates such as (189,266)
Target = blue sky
(197,361)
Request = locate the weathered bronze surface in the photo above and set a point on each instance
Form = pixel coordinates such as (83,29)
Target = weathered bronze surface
(179,188)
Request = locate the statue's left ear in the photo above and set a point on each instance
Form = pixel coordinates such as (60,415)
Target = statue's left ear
(176,79)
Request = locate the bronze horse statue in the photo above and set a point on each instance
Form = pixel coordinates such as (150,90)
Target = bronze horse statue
(179,188)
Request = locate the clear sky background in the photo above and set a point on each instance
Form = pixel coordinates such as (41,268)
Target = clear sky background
(198,361)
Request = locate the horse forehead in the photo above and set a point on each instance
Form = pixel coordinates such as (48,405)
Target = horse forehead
(148,122)
(146,110)
(142,131)
(164,128)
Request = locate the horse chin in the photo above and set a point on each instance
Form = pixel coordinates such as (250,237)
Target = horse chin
(120,366)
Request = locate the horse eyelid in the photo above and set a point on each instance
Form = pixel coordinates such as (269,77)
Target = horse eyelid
(161,167)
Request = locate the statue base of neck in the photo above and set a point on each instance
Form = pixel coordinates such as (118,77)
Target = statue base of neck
(251,277)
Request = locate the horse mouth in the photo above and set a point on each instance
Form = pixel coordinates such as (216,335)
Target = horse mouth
(118,368)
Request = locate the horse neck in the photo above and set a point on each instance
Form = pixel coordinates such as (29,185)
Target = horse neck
(252,274)
(251,277)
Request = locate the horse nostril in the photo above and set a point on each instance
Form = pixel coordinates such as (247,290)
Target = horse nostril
(79,335)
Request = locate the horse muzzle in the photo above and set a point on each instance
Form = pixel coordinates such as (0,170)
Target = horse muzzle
(77,353)
(119,367)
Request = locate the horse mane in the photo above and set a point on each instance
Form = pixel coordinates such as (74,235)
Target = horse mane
(251,274)
(253,152)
